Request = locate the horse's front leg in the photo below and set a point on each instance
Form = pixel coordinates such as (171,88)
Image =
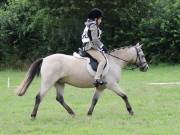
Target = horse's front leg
(115,87)
(94,100)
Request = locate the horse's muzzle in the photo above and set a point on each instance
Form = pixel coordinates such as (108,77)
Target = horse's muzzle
(144,68)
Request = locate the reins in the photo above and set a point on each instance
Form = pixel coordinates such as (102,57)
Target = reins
(118,57)
(135,67)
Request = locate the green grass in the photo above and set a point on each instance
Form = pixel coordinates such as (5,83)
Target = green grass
(157,108)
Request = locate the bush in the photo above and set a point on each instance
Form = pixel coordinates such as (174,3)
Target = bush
(34,28)
(161,33)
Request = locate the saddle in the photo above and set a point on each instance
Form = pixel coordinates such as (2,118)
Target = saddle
(92,63)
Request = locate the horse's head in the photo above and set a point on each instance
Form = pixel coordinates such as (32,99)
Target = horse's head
(140,59)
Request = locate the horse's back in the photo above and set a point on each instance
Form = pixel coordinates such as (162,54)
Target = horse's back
(66,68)
(59,61)
(58,56)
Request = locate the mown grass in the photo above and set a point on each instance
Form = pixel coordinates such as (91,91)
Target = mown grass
(157,108)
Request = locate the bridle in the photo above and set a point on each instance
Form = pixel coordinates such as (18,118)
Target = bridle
(141,64)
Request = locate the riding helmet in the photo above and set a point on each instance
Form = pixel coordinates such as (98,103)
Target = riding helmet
(95,13)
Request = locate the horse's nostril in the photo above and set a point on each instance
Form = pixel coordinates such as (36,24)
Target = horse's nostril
(146,68)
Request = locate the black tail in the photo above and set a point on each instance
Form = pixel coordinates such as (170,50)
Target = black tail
(32,72)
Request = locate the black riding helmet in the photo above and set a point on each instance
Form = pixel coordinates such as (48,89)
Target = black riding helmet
(95,13)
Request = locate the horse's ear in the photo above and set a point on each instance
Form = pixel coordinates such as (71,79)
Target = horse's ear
(141,45)
(137,44)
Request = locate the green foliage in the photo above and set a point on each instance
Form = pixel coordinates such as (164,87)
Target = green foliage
(15,37)
(161,32)
(30,29)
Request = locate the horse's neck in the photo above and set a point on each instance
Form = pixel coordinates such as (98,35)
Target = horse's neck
(126,55)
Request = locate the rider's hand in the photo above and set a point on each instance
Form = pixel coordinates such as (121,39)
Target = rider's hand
(104,48)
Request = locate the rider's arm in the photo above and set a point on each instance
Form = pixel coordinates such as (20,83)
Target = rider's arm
(93,35)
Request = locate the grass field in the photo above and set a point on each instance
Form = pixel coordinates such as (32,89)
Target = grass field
(156,107)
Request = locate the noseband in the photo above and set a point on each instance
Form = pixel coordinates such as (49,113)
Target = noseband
(141,64)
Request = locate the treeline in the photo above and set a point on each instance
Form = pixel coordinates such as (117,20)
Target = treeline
(30,29)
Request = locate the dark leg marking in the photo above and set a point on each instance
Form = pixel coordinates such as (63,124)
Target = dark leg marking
(94,102)
(128,106)
(37,102)
(60,99)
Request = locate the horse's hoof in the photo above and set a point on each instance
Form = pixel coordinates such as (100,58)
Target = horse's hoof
(33,117)
(89,114)
(73,115)
(131,113)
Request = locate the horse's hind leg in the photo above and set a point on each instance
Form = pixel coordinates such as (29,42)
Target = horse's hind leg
(45,86)
(115,87)
(60,98)
(94,101)
(37,102)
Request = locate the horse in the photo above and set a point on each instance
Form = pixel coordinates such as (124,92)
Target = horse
(60,69)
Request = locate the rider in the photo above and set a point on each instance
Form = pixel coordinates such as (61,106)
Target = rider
(92,44)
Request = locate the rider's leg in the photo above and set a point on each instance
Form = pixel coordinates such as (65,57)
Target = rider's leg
(99,56)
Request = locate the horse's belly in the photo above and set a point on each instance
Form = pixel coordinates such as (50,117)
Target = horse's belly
(80,79)
(79,82)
